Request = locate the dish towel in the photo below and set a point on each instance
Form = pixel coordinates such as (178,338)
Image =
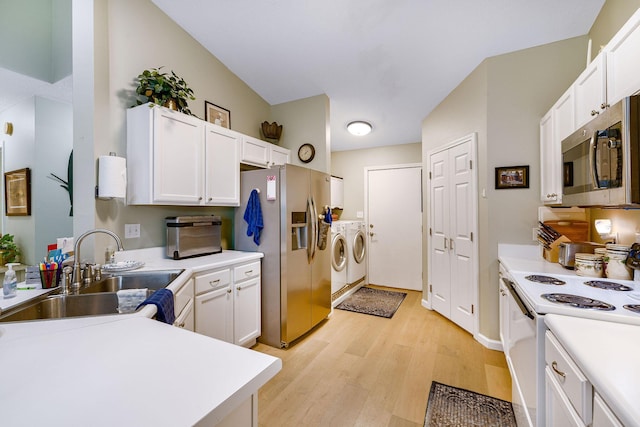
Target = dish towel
(327,216)
(253,216)
(163,300)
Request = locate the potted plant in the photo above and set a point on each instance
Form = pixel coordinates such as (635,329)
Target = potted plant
(9,251)
(168,90)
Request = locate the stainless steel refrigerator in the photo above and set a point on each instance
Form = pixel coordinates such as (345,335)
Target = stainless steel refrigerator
(296,268)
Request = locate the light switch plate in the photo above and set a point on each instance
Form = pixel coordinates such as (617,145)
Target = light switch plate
(131,231)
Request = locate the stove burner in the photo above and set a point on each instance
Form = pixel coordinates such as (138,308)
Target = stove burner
(578,301)
(545,279)
(602,284)
(632,307)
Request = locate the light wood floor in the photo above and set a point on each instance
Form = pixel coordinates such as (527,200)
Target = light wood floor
(362,370)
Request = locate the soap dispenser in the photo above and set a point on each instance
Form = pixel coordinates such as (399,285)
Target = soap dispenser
(10,283)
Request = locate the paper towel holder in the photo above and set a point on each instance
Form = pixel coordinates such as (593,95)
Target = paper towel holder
(112,181)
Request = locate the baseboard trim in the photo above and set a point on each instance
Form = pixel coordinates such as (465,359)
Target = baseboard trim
(426,304)
(489,343)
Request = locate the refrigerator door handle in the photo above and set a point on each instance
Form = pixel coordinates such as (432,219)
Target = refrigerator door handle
(310,227)
(314,228)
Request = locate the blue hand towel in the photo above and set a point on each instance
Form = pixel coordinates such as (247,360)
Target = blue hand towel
(163,300)
(253,216)
(327,216)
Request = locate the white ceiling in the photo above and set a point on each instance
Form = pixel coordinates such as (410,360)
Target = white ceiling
(386,61)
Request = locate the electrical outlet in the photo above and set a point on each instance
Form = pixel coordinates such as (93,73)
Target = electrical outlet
(359,214)
(131,231)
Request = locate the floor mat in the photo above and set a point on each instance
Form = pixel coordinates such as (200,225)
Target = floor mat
(451,406)
(376,302)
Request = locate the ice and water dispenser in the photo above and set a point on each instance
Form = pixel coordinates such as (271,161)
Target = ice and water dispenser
(299,230)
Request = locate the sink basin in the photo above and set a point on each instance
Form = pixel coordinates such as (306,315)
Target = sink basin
(152,280)
(62,306)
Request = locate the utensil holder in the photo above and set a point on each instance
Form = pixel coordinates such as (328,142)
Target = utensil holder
(553,253)
(50,278)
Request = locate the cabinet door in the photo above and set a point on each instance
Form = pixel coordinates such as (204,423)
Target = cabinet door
(255,151)
(559,412)
(550,159)
(214,314)
(564,122)
(623,61)
(279,155)
(337,192)
(590,93)
(246,318)
(185,319)
(222,166)
(602,415)
(504,317)
(177,158)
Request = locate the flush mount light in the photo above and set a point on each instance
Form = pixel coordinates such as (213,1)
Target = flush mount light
(359,128)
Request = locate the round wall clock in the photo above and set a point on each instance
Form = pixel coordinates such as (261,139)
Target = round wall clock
(306,153)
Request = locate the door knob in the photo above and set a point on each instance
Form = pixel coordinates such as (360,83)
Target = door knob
(371,234)
(370,225)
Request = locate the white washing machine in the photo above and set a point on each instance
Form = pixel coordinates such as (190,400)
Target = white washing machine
(357,248)
(339,257)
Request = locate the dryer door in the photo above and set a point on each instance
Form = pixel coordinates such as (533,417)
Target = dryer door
(339,252)
(359,246)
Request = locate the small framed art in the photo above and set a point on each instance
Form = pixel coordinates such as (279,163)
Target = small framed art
(512,177)
(17,192)
(217,115)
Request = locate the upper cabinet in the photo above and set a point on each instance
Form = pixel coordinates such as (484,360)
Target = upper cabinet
(257,152)
(590,92)
(337,192)
(176,159)
(623,61)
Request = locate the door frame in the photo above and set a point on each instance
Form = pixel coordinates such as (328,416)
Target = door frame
(473,152)
(367,169)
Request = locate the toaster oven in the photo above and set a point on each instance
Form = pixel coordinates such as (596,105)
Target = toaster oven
(191,236)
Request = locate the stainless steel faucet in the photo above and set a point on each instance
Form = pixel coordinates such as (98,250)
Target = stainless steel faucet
(77,271)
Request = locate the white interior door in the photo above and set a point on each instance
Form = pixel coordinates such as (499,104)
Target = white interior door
(452,264)
(394,218)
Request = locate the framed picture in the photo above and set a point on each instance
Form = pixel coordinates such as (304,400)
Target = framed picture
(217,115)
(17,192)
(512,177)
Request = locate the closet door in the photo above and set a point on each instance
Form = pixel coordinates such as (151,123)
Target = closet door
(452,222)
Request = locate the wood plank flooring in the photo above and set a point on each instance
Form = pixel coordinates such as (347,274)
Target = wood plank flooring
(362,370)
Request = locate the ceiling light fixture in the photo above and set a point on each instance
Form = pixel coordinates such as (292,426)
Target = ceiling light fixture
(359,128)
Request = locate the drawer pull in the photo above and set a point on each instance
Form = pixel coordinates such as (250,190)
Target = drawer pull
(239,288)
(247,273)
(554,366)
(214,282)
(181,325)
(229,290)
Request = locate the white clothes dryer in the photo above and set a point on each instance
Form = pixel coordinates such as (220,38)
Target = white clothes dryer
(357,247)
(339,257)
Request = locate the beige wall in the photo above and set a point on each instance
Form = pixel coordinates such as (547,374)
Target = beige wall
(503,101)
(306,121)
(350,165)
(612,16)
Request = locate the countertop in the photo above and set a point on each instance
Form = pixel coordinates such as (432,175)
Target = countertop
(126,369)
(607,353)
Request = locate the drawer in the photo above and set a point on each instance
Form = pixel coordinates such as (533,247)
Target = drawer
(573,383)
(183,296)
(214,280)
(246,271)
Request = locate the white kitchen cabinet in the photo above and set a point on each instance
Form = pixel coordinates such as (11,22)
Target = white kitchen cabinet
(228,303)
(257,152)
(504,313)
(177,159)
(603,416)
(623,61)
(559,412)
(184,306)
(590,91)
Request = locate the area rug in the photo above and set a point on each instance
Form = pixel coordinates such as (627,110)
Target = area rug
(451,406)
(376,302)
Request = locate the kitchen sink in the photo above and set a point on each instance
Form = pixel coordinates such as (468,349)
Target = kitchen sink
(152,280)
(62,306)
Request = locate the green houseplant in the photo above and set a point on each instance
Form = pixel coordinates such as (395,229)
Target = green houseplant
(168,90)
(9,251)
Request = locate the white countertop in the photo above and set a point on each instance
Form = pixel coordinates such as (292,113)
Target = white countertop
(607,353)
(126,369)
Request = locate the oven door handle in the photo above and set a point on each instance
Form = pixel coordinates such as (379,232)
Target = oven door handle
(512,289)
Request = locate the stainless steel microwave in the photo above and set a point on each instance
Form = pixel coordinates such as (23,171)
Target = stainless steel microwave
(601,160)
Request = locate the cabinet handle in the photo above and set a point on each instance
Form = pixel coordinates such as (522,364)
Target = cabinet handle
(248,272)
(445,243)
(229,290)
(180,325)
(210,198)
(214,282)
(451,243)
(200,198)
(604,105)
(594,112)
(239,288)
(554,366)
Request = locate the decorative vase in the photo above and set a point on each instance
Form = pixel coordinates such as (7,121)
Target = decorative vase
(171,103)
(271,131)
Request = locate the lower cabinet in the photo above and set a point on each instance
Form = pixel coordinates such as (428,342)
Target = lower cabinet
(227,303)
(184,305)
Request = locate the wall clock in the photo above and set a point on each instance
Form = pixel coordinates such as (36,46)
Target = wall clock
(306,153)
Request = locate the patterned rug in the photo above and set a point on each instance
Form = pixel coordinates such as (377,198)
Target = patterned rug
(456,407)
(376,302)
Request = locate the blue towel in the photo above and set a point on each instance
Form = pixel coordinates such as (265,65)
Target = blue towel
(327,216)
(163,300)
(253,216)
